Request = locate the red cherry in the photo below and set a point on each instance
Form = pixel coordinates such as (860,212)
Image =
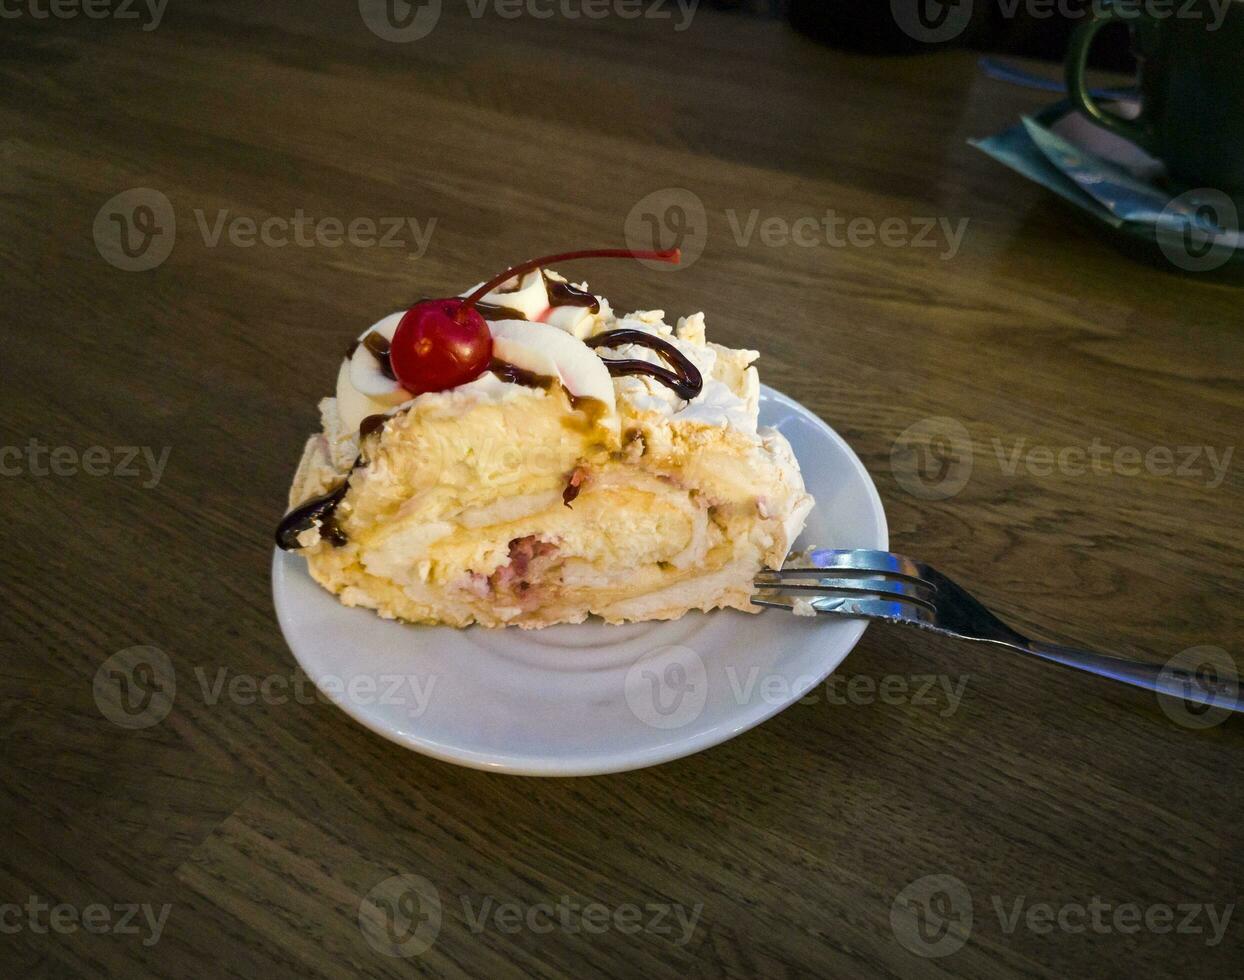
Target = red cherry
(443,343)
(439,344)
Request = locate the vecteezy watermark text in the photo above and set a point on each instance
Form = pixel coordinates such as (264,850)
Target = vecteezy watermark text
(1103,917)
(90,9)
(37,458)
(403,21)
(410,691)
(933,917)
(940,21)
(121,919)
(1125,10)
(243,231)
(934,458)
(680,11)
(834,230)
(675,217)
(921,690)
(136,230)
(401,916)
(668,688)
(137,687)
(1201,463)
(673,922)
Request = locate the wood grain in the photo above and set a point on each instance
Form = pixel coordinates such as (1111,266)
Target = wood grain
(264,825)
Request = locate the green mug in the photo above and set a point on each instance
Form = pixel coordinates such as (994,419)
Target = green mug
(1191,57)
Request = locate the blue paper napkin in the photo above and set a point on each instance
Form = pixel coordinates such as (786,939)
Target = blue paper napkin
(1102,173)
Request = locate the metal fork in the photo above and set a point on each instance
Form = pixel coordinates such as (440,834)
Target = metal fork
(888,587)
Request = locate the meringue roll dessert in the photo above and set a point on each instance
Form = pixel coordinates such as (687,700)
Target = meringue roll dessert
(521,455)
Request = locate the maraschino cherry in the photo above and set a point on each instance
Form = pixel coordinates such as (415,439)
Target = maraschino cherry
(443,343)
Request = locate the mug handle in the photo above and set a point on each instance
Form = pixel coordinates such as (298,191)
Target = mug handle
(1137,130)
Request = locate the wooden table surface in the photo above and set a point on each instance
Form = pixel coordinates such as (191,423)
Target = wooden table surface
(245,831)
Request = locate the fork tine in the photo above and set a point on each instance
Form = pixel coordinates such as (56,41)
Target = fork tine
(775,602)
(866,560)
(899,610)
(898,588)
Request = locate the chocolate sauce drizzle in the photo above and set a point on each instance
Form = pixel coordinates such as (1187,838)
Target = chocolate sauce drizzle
(685,379)
(564,294)
(592,408)
(573,486)
(371,425)
(491,311)
(379,348)
(520,376)
(320,510)
(559,293)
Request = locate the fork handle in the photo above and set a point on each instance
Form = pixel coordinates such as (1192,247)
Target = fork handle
(1177,682)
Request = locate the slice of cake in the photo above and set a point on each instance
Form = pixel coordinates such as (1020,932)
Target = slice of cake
(522,456)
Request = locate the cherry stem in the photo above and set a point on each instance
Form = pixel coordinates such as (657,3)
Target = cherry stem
(672,255)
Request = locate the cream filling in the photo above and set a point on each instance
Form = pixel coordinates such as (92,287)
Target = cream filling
(625,520)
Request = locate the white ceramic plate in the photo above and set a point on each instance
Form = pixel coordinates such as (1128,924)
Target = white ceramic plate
(588,699)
